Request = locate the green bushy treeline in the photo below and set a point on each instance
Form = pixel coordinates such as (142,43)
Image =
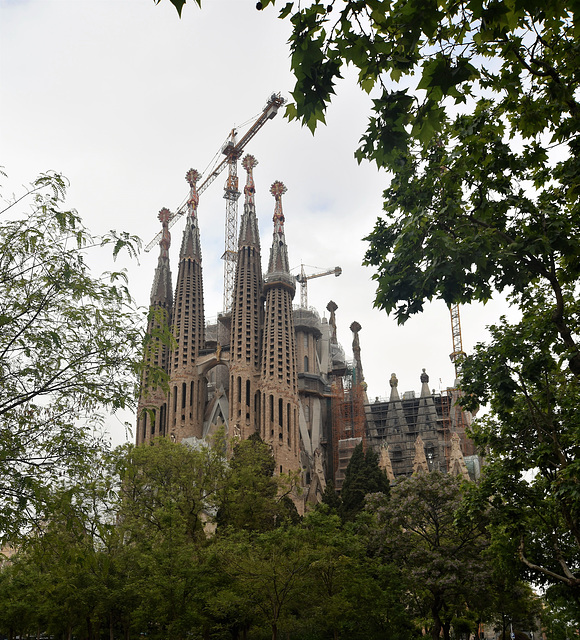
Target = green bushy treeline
(169,542)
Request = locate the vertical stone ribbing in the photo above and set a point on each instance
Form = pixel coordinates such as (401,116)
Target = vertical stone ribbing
(279,419)
(152,406)
(247,319)
(187,390)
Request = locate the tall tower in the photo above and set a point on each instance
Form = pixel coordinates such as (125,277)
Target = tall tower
(152,407)
(279,415)
(247,319)
(187,389)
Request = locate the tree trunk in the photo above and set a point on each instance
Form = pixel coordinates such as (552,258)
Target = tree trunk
(436,629)
(274,631)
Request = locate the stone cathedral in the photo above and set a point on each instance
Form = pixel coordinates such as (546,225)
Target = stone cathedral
(278,370)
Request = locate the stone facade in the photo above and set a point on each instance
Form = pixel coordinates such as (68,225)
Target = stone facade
(280,371)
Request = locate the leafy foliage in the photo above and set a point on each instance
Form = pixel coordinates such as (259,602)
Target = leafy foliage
(439,557)
(533,441)
(123,552)
(363,476)
(252,498)
(68,345)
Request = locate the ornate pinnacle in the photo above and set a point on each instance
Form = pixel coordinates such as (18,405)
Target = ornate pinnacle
(164,217)
(277,190)
(249,162)
(192,176)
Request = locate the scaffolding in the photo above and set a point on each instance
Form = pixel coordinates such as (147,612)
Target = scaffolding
(348,422)
(399,422)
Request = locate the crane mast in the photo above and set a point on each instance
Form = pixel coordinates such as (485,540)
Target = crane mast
(232,151)
(458,352)
(302,278)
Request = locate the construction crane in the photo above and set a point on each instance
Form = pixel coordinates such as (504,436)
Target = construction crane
(232,150)
(302,278)
(458,353)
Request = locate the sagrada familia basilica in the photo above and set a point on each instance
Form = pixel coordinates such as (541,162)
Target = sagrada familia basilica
(272,368)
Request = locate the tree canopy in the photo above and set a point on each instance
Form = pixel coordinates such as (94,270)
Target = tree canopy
(130,549)
(69,345)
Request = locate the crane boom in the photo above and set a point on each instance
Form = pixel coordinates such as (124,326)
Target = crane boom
(302,278)
(232,151)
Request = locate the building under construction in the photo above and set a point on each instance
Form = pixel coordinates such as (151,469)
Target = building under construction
(270,367)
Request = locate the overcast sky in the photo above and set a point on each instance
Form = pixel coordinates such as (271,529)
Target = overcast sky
(123,97)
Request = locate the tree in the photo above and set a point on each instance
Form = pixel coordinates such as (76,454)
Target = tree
(350,594)
(440,559)
(267,573)
(168,492)
(251,498)
(66,570)
(363,476)
(532,440)
(69,342)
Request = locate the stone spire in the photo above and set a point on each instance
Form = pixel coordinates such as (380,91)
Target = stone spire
(427,413)
(332,307)
(396,416)
(456,461)
(161,291)
(249,235)
(190,244)
(279,252)
(187,388)
(247,319)
(420,460)
(385,463)
(355,327)
(152,407)
(279,419)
